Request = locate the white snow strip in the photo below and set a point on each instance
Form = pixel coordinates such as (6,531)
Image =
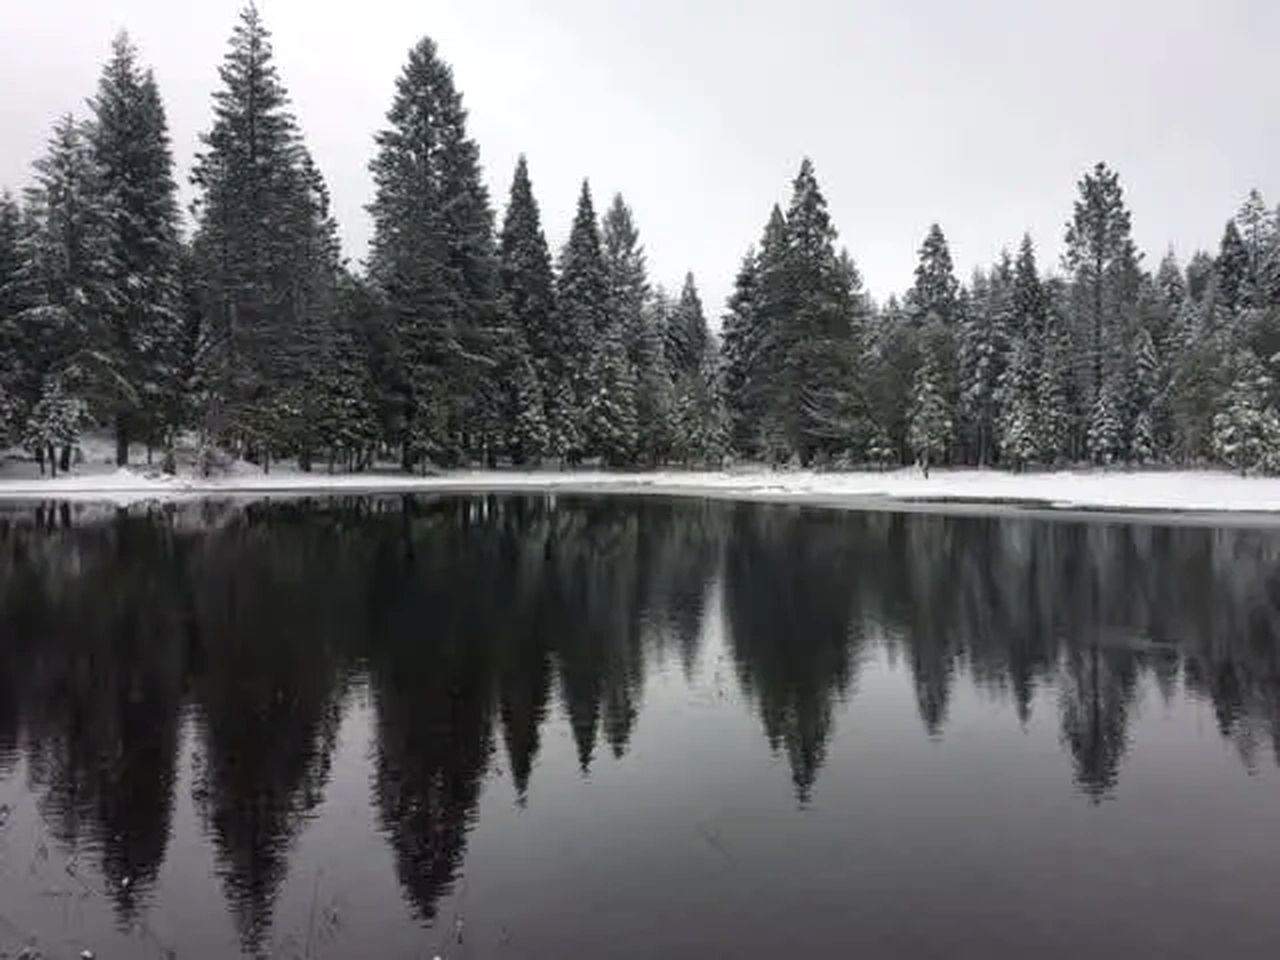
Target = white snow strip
(1189,492)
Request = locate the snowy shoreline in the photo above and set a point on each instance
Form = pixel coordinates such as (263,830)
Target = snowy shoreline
(1165,493)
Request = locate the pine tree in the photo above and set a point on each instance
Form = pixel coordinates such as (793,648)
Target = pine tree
(743,344)
(434,260)
(934,307)
(564,436)
(930,429)
(1144,444)
(763,376)
(528,282)
(65,284)
(655,392)
(628,283)
(627,275)
(1103,264)
(130,140)
(1105,435)
(810,301)
(983,342)
(1197,380)
(687,334)
(609,415)
(529,438)
(10,352)
(1257,228)
(702,428)
(1028,295)
(1018,408)
(54,423)
(1245,428)
(1053,422)
(1231,269)
(582,302)
(265,252)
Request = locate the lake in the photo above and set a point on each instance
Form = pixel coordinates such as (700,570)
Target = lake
(549,727)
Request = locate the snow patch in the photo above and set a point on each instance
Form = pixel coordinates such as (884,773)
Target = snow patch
(1188,492)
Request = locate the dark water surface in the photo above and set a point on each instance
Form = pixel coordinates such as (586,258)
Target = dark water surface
(538,727)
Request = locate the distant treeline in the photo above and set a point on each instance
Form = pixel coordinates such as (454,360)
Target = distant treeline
(463,342)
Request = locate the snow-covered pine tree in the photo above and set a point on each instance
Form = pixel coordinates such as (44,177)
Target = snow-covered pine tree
(812,304)
(65,283)
(1231,268)
(1053,423)
(10,353)
(528,281)
(54,424)
(772,308)
(894,357)
(1257,227)
(1102,263)
(265,255)
(933,305)
(743,343)
(1145,445)
(929,433)
(1243,427)
(434,260)
(609,416)
(528,301)
(701,421)
(982,339)
(1105,438)
(130,139)
(582,294)
(655,392)
(687,334)
(564,435)
(528,437)
(628,284)
(1197,380)
(1019,413)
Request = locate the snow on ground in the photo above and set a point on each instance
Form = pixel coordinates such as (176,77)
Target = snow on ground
(1186,492)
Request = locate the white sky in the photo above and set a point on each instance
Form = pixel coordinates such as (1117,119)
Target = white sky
(980,115)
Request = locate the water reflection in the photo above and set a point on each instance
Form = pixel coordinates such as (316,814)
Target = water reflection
(472,622)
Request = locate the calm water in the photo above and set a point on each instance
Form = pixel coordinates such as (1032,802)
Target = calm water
(540,727)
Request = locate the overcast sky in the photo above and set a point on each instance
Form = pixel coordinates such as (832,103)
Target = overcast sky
(980,115)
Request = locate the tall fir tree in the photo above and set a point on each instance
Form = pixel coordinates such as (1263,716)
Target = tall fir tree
(1231,269)
(1102,262)
(743,343)
(264,251)
(812,299)
(10,270)
(582,316)
(1145,445)
(934,306)
(66,289)
(528,310)
(1246,430)
(433,257)
(1053,406)
(130,139)
(687,333)
(983,336)
(629,306)
(930,427)
(1019,425)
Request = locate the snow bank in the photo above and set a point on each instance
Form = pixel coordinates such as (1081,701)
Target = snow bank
(1188,492)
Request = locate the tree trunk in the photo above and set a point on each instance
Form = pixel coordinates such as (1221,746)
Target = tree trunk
(122,441)
(40,459)
(65,461)
(53,462)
